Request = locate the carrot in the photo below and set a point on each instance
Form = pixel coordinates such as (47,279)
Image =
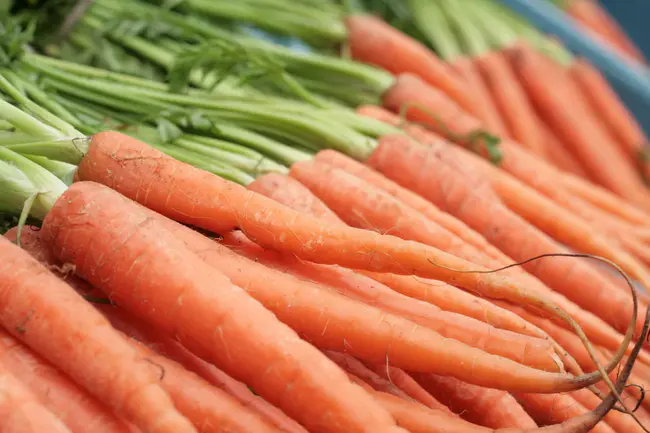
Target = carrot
(611,110)
(32,242)
(596,329)
(20,411)
(356,367)
(371,40)
(288,191)
(558,154)
(161,271)
(417,418)
(84,345)
(578,128)
(469,70)
(591,15)
(406,383)
(437,293)
(605,200)
(209,408)
(620,422)
(169,348)
(256,278)
(512,101)
(361,205)
(133,168)
(463,128)
(529,351)
(73,406)
(549,409)
(411,199)
(483,406)
(446,180)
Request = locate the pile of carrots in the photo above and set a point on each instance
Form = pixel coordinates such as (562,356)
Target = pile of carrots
(210,233)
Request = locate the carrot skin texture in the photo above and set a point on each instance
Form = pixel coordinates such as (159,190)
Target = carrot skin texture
(57,393)
(373,41)
(371,292)
(134,169)
(32,242)
(400,350)
(214,311)
(292,193)
(113,372)
(406,383)
(20,411)
(469,70)
(483,406)
(353,366)
(469,196)
(559,156)
(417,418)
(620,422)
(596,329)
(209,408)
(578,127)
(511,99)
(165,346)
(409,198)
(611,110)
(550,409)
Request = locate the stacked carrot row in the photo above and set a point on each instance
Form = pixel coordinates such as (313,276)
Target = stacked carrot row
(273,261)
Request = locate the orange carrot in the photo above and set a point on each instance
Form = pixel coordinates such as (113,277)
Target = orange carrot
(579,128)
(418,418)
(373,41)
(605,200)
(401,351)
(487,109)
(20,411)
(209,408)
(483,406)
(285,190)
(361,205)
(446,180)
(512,101)
(133,168)
(358,369)
(559,155)
(436,292)
(256,278)
(529,351)
(32,242)
(78,410)
(406,383)
(620,422)
(162,272)
(84,345)
(591,15)
(169,348)
(547,409)
(611,110)
(411,199)
(596,329)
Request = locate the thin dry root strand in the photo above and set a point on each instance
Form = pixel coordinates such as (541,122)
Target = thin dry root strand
(602,372)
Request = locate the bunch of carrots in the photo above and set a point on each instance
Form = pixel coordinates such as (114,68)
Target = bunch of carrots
(432,222)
